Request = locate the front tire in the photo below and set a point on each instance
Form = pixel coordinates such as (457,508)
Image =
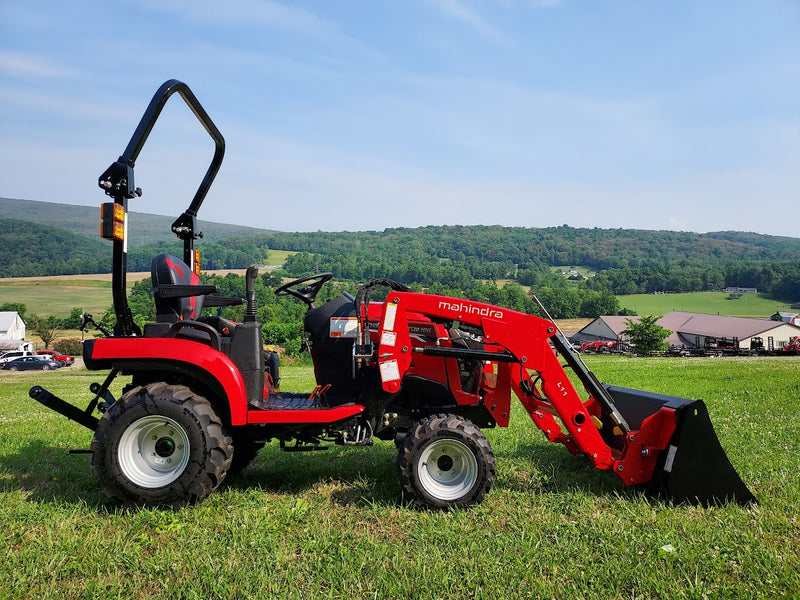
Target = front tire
(160,445)
(446,461)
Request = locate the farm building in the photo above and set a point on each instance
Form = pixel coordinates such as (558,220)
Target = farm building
(12,331)
(697,330)
(787,317)
(740,290)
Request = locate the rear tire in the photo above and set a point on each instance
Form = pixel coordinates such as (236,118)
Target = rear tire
(446,461)
(160,445)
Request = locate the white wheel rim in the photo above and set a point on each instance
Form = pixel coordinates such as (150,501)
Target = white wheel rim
(153,451)
(447,469)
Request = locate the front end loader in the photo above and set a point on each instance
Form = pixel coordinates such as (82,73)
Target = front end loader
(429,373)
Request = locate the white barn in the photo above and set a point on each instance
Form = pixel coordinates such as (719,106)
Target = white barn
(12,330)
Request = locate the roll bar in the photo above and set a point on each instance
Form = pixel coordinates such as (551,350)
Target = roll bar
(118,182)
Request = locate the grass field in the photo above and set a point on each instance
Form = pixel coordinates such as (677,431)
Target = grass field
(712,303)
(334,524)
(276,258)
(58,295)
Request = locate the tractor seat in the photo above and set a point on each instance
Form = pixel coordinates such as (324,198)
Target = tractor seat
(180,297)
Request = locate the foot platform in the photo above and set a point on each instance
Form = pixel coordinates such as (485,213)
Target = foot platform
(288,401)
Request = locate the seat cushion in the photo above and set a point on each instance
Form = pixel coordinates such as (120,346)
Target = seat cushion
(168,269)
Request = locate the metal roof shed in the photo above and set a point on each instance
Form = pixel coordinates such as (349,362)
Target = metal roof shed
(694,329)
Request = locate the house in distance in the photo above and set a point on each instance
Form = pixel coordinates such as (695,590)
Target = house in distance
(12,332)
(698,333)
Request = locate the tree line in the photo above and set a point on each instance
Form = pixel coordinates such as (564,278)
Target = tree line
(493,264)
(484,252)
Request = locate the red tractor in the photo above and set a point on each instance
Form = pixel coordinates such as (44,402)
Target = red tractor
(792,346)
(425,372)
(601,347)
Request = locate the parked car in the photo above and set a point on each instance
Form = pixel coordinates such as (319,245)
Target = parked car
(64,359)
(31,363)
(13,355)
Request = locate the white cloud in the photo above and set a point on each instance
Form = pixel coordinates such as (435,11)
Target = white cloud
(22,65)
(474,21)
(35,105)
(249,15)
(277,184)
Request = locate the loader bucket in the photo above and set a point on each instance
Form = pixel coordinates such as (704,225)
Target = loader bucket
(693,468)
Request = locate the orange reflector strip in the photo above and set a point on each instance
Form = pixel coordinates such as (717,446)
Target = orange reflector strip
(112,221)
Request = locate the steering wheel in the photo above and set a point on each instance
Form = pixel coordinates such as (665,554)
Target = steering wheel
(307,293)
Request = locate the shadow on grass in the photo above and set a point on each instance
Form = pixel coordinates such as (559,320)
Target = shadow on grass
(362,476)
(49,474)
(349,476)
(551,469)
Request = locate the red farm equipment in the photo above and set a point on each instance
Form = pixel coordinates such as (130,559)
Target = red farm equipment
(792,347)
(602,347)
(425,372)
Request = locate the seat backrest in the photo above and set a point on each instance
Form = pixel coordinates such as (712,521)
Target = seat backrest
(165,270)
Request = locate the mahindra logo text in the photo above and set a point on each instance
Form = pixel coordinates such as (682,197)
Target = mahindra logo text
(470,309)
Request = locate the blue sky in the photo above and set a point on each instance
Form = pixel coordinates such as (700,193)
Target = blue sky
(353,115)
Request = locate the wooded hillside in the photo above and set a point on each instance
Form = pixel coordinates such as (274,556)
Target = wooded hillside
(451,258)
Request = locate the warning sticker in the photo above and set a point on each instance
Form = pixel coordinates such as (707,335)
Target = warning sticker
(389,316)
(389,371)
(388,338)
(670,458)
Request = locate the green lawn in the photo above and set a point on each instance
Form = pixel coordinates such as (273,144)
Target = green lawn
(334,524)
(748,305)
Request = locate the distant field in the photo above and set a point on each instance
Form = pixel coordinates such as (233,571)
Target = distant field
(92,293)
(276,258)
(748,305)
(58,295)
(571,326)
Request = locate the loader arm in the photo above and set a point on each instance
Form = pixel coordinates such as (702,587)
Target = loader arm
(519,345)
(664,443)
